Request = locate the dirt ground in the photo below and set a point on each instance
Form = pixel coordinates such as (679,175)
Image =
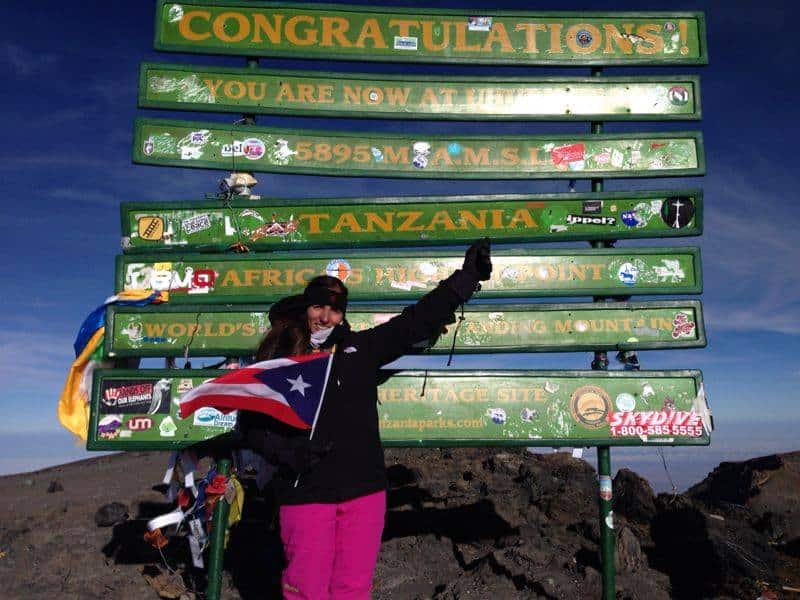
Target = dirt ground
(462,523)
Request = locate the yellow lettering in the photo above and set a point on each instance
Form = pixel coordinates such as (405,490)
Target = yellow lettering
(530,30)
(347,220)
(403,26)
(461,40)
(410,218)
(614,37)
(373,220)
(213,86)
(397,96)
(285,93)
(309,36)
(335,27)
(498,35)
(555,37)
(427,35)
(523,216)
(653,43)
(231,278)
(352,95)
(221,22)
(272,31)
(251,90)
(429,98)
(468,218)
(441,217)
(371,31)
(241,90)
(185,25)
(314,221)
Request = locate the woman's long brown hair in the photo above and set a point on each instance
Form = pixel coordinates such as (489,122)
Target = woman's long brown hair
(288,336)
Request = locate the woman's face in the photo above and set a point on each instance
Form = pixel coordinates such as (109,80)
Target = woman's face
(322,317)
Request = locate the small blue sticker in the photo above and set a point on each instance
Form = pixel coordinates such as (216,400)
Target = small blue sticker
(629,218)
(454,148)
(584,38)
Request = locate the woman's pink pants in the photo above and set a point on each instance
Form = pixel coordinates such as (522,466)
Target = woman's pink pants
(331,549)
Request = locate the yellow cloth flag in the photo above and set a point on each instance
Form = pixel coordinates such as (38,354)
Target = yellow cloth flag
(73,405)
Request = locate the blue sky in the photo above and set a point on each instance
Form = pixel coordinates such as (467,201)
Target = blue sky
(67,110)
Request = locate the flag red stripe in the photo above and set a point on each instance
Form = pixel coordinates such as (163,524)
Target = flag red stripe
(270,407)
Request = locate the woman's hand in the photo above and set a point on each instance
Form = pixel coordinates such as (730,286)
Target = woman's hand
(478,261)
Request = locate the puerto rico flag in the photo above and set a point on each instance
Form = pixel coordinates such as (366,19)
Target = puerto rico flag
(288,389)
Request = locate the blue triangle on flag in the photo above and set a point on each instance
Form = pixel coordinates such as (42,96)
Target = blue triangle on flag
(307,376)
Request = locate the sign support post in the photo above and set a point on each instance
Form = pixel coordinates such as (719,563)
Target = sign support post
(600,363)
(217,541)
(222,509)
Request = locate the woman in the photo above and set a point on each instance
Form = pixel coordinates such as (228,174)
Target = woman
(331,521)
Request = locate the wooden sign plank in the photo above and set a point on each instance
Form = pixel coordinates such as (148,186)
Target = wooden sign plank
(412,96)
(355,153)
(237,330)
(283,224)
(405,275)
(138,409)
(342,32)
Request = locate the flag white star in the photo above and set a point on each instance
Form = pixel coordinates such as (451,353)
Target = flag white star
(298,385)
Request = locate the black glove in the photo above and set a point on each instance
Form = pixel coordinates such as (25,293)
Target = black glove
(478,261)
(477,267)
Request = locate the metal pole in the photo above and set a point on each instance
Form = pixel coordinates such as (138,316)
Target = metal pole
(217,541)
(216,552)
(600,363)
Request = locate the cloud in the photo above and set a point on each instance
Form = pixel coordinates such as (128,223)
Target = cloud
(749,252)
(24,62)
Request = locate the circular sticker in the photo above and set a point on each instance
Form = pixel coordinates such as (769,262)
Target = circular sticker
(629,218)
(678,94)
(625,402)
(590,406)
(677,211)
(584,38)
(253,148)
(628,273)
(339,268)
(669,26)
(498,415)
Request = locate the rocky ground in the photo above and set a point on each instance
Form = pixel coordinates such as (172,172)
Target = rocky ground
(462,523)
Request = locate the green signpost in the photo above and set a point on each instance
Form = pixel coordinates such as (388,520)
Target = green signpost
(218,301)
(237,330)
(282,224)
(138,409)
(405,275)
(411,96)
(328,31)
(354,153)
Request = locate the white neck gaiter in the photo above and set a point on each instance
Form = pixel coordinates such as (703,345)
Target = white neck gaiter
(318,337)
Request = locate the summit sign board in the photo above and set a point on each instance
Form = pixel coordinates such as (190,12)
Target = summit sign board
(201,145)
(428,35)
(283,224)
(412,96)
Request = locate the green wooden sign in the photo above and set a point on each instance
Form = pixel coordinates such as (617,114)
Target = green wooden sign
(404,275)
(138,410)
(334,31)
(237,330)
(251,148)
(411,96)
(281,224)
